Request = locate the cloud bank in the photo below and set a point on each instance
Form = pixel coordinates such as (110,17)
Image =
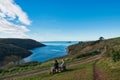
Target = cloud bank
(13,20)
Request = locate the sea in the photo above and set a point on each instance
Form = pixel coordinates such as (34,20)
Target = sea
(52,50)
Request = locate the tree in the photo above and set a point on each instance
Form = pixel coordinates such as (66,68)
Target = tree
(101,38)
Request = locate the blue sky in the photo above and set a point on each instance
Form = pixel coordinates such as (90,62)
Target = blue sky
(72,19)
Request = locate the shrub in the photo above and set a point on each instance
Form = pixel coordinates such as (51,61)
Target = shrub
(87,54)
(115,55)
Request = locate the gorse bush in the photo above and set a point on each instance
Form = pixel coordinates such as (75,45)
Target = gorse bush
(115,55)
(87,54)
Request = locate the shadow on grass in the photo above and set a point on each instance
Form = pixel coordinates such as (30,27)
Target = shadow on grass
(67,70)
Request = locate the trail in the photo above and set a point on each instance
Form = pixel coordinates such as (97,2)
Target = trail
(33,72)
(98,74)
(95,72)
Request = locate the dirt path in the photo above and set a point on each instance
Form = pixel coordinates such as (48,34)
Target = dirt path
(33,72)
(98,74)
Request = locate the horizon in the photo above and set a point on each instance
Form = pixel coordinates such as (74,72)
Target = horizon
(63,40)
(61,20)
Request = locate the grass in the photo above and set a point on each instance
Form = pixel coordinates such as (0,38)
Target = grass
(25,68)
(110,68)
(80,72)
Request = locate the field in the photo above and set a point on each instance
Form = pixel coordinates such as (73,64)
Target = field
(79,72)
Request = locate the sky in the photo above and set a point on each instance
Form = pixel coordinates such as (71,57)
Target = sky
(59,20)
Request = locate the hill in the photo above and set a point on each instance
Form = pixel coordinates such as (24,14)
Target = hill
(23,43)
(9,50)
(16,49)
(98,60)
(106,68)
(82,49)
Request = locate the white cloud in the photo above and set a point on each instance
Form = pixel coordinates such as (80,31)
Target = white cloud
(13,19)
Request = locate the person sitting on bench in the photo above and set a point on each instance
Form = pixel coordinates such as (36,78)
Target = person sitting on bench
(63,65)
(55,67)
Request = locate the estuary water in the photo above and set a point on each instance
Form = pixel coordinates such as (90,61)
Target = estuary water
(52,50)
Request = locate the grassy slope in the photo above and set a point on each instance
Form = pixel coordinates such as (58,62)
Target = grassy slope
(7,50)
(82,49)
(25,68)
(111,69)
(16,47)
(80,72)
(23,43)
(84,72)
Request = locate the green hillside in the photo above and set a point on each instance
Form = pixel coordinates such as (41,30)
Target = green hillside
(12,50)
(8,50)
(92,60)
(23,43)
(110,70)
(82,49)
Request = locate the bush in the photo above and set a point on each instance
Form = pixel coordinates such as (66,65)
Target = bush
(87,54)
(115,55)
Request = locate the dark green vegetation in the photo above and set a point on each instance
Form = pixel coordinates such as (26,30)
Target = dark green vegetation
(13,50)
(115,54)
(10,50)
(23,43)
